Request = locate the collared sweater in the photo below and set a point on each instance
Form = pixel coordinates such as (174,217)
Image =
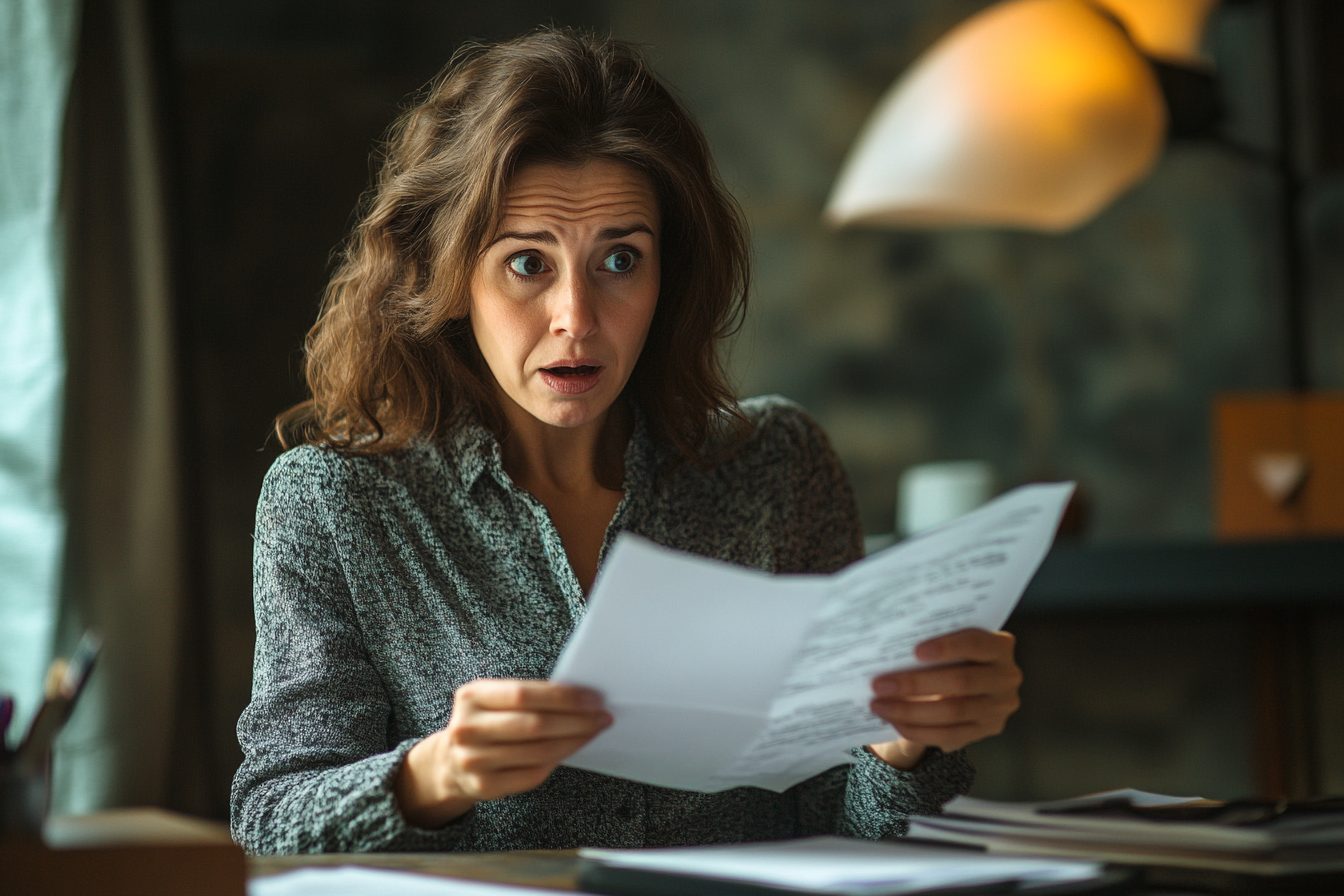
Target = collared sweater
(383,583)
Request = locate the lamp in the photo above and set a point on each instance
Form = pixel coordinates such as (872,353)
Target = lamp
(1038,114)
(1033,113)
(1164,29)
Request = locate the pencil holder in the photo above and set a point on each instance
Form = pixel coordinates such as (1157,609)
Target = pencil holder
(23,799)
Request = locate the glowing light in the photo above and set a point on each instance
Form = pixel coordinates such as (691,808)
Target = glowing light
(1034,113)
(1166,29)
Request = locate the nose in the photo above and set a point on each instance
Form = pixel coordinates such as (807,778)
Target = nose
(572,312)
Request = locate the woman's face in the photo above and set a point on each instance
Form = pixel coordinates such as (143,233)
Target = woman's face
(561,301)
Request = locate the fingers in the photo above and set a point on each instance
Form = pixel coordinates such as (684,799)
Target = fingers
(507,736)
(498,758)
(489,771)
(967,698)
(535,696)
(965,680)
(948,724)
(526,727)
(988,711)
(972,645)
(493,785)
(497,711)
(984,665)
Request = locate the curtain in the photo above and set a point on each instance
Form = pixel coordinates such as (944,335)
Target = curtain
(36,58)
(124,569)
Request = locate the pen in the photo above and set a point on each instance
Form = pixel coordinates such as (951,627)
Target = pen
(80,665)
(65,681)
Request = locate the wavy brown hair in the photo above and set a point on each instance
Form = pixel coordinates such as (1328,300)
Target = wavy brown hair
(392,354)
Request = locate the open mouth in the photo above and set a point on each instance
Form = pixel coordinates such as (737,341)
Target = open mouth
(572,379)
(584,370)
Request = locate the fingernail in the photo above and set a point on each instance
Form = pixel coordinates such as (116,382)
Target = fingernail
(590,700)
(928,651)
(608,720)
(887,687)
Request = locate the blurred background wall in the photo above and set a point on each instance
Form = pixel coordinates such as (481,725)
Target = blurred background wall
(1093,355)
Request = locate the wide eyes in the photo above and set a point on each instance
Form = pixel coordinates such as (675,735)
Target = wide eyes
(526,264)
(622,261)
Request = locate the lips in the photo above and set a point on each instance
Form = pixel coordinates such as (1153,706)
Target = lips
(572,377)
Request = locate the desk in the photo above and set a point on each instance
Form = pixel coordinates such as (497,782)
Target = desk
(546,869)
(186,851)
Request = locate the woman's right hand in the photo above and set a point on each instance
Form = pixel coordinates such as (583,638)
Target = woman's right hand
(504,737)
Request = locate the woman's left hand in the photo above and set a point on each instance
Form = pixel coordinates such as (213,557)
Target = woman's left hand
(968,697)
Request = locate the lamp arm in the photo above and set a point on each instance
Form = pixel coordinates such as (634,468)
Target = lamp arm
(1264,158)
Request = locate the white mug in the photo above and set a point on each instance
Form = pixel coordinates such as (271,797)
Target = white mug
(932,494)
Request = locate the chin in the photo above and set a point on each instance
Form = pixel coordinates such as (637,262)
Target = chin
(571,414)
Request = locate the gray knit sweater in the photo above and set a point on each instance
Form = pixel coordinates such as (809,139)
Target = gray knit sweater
(384,583)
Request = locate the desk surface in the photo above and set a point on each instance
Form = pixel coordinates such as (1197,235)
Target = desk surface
(548,869)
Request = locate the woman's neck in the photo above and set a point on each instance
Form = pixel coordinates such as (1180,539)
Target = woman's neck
(566,460)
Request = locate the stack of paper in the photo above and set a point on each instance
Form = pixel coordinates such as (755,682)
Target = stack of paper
(830,865)
(1130,826)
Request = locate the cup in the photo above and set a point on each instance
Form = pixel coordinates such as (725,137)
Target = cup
(932,494)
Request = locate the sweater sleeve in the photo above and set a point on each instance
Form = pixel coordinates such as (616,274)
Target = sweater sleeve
(869,799)
(318,767)
(819,529)
(879,798)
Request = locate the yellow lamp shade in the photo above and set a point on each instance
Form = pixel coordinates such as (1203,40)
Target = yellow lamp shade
(1165,29)
(1033,113)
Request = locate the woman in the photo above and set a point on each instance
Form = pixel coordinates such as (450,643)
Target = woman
(517,359)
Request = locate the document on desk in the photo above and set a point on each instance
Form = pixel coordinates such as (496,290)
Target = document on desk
(828,866)
(720,676)
(351,880)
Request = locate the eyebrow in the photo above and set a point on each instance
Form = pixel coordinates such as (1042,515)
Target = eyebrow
(531,236)
(545,236)
(615,233)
